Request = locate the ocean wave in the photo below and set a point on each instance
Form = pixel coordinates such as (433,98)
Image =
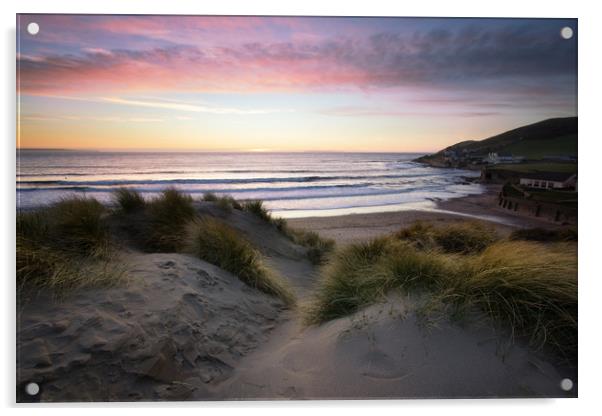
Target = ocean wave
(197,191)
(198,172)
(182,181)
(269,196)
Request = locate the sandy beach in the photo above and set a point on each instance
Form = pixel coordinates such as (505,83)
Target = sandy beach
(360,227)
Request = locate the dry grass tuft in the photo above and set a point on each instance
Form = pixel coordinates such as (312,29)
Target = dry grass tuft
(220,244)
(528,287)
(256,207)
(65,246)
(318,248)
(544,235)
(225,202)
(463,237)
(157,225)
(128,200)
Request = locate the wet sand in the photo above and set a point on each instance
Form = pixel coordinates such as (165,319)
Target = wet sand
(357,227)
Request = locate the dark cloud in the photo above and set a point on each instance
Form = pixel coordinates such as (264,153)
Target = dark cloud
(525,54)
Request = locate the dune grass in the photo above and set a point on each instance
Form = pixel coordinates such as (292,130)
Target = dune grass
(361,274)
(528,287)
(170,223)
(69,244)
(226,202)
(256,207)
(217,243)
(65,246)
(158,224)
(168,216)
(318,248)
(76,224)
(209,197)
(128,200)
(544,235)
(461,237)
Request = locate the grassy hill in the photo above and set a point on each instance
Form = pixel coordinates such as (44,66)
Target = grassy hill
(555,137)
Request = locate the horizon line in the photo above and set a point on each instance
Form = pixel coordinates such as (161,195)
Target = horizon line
(140,150)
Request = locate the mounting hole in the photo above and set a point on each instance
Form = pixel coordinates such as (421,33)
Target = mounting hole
(566,384)
(33,28)
(32,389)
(566,32)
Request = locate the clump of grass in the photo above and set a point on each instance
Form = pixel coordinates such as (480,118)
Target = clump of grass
(544,235)
(226,202)
(129,200)
(219,244)
(256,207)
(361,274)
(158,224)
(318,248)
(209,197)
(168,215)
(76,223)
(528,287)
(64,246)
(464,237)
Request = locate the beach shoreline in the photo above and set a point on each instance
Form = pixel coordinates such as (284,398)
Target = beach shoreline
(351,228)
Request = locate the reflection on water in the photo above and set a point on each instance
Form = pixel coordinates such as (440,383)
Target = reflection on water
(292,184)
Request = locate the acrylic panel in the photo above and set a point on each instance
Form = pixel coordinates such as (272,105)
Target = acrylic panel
(265,207)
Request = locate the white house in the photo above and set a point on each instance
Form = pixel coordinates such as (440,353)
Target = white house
(551,180)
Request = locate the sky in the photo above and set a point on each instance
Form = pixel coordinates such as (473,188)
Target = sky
(227,83)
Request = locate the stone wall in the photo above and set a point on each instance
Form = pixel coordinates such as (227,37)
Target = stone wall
(550,212)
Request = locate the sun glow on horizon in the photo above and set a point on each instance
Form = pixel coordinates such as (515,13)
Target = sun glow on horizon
(259,84)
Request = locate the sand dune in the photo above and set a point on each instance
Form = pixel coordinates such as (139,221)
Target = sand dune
(179,325)
(385,351)
(183,329)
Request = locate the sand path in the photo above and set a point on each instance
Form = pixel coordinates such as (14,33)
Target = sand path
(384,351)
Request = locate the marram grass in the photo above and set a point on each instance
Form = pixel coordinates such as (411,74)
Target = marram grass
(128,200)
(225,202)
(219,244)
(159,224)
(65,246)
(529,288)
(257,208)
(318,248)
(459,237)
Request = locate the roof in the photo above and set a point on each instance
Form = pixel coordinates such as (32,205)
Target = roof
(549,176)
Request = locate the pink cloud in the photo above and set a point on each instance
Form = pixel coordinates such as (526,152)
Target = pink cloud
(122,54)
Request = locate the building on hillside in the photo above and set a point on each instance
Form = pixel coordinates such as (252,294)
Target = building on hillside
(450,155)
(494,158)
(549,180)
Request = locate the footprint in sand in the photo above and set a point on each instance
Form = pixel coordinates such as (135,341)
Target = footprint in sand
(166,265)
(380,365)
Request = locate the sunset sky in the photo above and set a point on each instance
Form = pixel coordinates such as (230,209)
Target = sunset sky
(290,83)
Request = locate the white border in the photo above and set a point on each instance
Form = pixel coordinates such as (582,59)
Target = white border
(590,135)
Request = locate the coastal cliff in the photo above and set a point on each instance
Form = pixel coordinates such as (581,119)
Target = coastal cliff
(552,139)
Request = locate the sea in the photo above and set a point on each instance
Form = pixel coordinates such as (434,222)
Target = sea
(291,184)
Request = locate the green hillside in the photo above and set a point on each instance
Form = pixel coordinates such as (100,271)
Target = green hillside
(556,137)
